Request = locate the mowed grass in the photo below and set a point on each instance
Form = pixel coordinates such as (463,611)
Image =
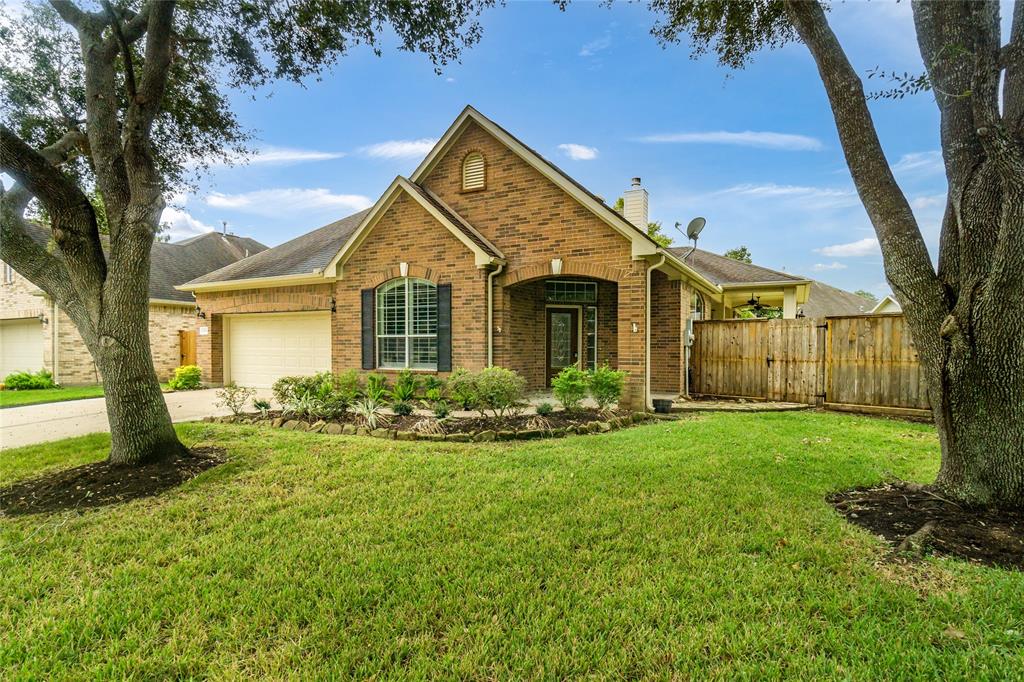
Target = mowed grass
(696,549)
(49,395)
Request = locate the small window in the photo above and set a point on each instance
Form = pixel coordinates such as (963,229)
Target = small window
(591,321)
(473,171)
(562,291)
(697,307)
(8,274)
(407,324)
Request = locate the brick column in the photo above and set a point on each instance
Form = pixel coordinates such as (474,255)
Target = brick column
(210,349)
(632,345)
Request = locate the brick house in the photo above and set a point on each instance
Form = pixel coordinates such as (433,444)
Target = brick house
(486,254)
(35,334)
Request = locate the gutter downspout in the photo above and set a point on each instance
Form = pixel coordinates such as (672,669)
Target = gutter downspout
(647,331)
(490,312)
(55,343)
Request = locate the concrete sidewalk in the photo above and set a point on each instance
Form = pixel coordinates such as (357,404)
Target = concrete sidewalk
(33,424)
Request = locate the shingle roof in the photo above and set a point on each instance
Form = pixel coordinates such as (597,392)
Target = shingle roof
(721,270)
(826,300)
(303,255)
(458,221)
(174,263)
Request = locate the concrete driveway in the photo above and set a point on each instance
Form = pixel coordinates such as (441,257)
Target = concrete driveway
(52,421)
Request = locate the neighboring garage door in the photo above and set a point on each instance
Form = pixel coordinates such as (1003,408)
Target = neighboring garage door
(264,348)
(21,346)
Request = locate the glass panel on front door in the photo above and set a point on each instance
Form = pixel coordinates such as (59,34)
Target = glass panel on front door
(561,340)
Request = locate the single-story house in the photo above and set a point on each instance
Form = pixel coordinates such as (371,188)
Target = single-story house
(486,254)
(35,334)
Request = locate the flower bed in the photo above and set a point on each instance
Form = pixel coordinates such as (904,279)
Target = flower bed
(455,429)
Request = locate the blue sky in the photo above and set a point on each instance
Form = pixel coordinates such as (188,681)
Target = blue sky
(754,151)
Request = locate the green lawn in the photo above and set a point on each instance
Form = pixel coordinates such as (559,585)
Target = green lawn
(49,395)
(696,549)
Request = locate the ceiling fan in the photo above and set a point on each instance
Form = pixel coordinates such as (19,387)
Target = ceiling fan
(755,303)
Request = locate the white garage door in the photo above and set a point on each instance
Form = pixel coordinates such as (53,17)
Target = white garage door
(264,348)
(21,346)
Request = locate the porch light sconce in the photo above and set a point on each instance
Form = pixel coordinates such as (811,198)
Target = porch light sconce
(42,318)
(556,266)
(334,305)
(635,327)
(200,313)
(497,330)
(403,268)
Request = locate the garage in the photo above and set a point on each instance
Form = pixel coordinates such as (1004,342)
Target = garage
(21,346)
(261,348)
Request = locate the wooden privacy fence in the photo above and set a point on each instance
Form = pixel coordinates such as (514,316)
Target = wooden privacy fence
(854,362)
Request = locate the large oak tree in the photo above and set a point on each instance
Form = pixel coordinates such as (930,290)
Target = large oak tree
(126,98)
(966,314)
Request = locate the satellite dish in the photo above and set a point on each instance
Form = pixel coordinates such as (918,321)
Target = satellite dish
(694,228)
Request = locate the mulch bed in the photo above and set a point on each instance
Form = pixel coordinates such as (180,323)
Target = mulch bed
(101,484)
(917,520)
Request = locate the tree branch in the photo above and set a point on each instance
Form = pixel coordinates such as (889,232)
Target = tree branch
(78,18)
(907,264)
(126,53)
(1012,60)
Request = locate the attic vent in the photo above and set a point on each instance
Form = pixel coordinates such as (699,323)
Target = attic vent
(473,171)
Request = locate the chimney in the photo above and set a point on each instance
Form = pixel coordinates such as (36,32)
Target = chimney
(634,205)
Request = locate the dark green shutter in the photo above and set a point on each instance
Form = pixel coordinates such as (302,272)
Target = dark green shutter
(444,327)
(368,335)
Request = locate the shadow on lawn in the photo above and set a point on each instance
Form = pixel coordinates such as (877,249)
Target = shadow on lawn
(101,484)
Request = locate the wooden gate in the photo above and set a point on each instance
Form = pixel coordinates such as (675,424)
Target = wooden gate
(871,360)
(758,359)
(730,358)
(187,341)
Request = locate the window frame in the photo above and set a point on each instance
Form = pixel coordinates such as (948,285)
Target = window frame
(408,324)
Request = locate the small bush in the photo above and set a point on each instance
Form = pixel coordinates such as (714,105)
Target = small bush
(405,388)
(377,388)
(347,385)
(263,406)
(570,387)
(606,385)
(545,409)
(186,378)
(284,390)
(430,382)
(499,391)
(461,387)
(234,397)
(28,381)
(370,413)
(402,408)
(441,409)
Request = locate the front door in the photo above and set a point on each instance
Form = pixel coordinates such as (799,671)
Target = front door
(563,340)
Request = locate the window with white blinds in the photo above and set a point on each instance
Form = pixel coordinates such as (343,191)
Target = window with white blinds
(473,171)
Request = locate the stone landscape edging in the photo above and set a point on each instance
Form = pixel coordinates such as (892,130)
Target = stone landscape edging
(482,436)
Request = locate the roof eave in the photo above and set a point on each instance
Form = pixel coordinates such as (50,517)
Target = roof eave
(315,277)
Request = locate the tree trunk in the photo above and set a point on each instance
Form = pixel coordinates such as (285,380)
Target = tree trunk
(140,424)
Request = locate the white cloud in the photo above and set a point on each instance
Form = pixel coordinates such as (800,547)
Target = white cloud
(182,224)
(919,163)
(287,201)
(594,46)
(286,155)
(818,198)
(579,152)
(862,247)
(928,201)
(399,149)
(746,138)
(449,79)
(822,267)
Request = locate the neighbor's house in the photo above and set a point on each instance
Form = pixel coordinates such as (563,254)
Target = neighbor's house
(486,254)
(888,306)
(35,334)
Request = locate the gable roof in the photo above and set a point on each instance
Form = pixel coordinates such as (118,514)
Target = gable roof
(174,263)
(642,243)
(484,251)
(307,254)
(825,300)
(724,271)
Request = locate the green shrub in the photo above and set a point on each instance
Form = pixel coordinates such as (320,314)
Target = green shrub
(234,397)
(570,387)
(322,395)
(441,409)
(545,409)
(462,390)
(405,388)
(402,408)
(431,382)
(499,391)
(262,405)
(186,378)
(27,381)
(377,388)
(348,385)
(370,413)
(606,385)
